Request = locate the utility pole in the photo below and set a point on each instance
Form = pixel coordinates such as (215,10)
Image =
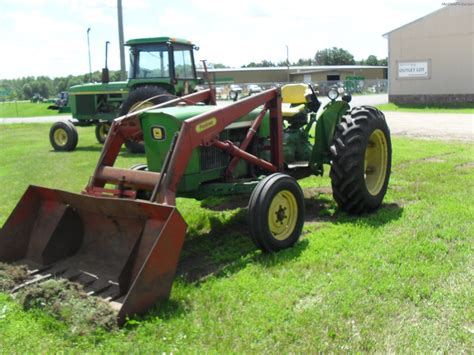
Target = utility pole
(89,50)
(121,41)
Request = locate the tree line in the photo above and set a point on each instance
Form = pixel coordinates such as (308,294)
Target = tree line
(327,56)
(25,88)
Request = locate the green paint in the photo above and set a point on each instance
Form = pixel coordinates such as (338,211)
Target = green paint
(205,173)
(325,126)
(156,40)
(99,88)
(196,175)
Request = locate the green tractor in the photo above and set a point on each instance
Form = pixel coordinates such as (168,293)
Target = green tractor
(160,69)
(121,237)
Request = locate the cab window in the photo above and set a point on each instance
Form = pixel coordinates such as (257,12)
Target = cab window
(183,62)
(149,61)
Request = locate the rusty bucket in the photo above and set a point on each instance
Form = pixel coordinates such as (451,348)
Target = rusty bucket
(125,251)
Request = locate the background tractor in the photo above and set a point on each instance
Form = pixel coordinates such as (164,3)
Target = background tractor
(160,68)
(122,236)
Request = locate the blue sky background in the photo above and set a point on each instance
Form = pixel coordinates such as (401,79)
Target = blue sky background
(48,37)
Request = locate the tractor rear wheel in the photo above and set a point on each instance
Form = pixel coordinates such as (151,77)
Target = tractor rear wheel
(276,213)
(63,136)
(101,131)
(137,100)
(361,160)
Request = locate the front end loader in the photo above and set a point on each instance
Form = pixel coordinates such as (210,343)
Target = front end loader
(121,237)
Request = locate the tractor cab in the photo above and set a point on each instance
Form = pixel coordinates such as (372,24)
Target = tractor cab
(163,59)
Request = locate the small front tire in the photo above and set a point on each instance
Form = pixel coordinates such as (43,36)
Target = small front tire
(101,131)
(276,213)
(63,136)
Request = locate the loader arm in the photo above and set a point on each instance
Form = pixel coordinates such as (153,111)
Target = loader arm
(204,129)
(128,127)
(201,130)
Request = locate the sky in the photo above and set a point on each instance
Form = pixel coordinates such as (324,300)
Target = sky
(49,37)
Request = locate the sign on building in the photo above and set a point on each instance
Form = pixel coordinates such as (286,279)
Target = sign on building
(413,70)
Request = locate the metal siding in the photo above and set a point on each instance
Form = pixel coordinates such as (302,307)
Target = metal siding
(446,39)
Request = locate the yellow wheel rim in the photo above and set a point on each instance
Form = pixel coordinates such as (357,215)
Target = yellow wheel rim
(375,166)
(103,130)
(140,105)
(60,137)
(282,215)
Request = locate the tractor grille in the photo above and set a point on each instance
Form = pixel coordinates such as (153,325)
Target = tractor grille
(85,104)
(213,158)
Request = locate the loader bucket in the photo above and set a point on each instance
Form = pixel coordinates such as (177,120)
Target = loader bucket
(124,251)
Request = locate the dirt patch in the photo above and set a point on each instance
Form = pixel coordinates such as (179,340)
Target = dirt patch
(68,302)
(434,160)
(469,165)
(11,275)
(198,267)
(315,191)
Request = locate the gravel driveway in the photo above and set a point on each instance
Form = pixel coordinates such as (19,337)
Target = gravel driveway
(448,126)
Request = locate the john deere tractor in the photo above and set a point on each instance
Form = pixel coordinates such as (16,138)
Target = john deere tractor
(160,68)
(121,237)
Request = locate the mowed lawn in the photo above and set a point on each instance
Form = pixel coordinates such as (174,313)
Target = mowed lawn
(453,108)
(398,280)
(25,109)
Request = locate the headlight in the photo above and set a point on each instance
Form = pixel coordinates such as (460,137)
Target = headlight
(333,94)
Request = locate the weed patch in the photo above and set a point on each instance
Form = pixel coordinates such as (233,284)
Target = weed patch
(11,275)
(67,302)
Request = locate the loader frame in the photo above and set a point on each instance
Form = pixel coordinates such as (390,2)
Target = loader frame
(201,130)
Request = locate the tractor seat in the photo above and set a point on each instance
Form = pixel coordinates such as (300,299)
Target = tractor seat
(294,98)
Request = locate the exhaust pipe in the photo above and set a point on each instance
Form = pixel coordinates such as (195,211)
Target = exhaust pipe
(105,71)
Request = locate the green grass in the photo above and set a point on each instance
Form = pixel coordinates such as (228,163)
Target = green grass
(455,108)
(25,109)
(399,280)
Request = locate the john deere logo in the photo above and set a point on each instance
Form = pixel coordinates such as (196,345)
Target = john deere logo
(158,133)
(211,122)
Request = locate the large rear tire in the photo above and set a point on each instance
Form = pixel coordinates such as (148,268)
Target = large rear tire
(63,136)
(361,160)
(276,213)
(137,101)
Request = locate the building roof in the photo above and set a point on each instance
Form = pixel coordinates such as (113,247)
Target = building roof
(297,69)
(414,21)
(154,40)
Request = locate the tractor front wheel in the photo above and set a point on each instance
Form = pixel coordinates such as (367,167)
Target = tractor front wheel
(276,213)
(101,131)
(63,136)
(361,160)
(139,99)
